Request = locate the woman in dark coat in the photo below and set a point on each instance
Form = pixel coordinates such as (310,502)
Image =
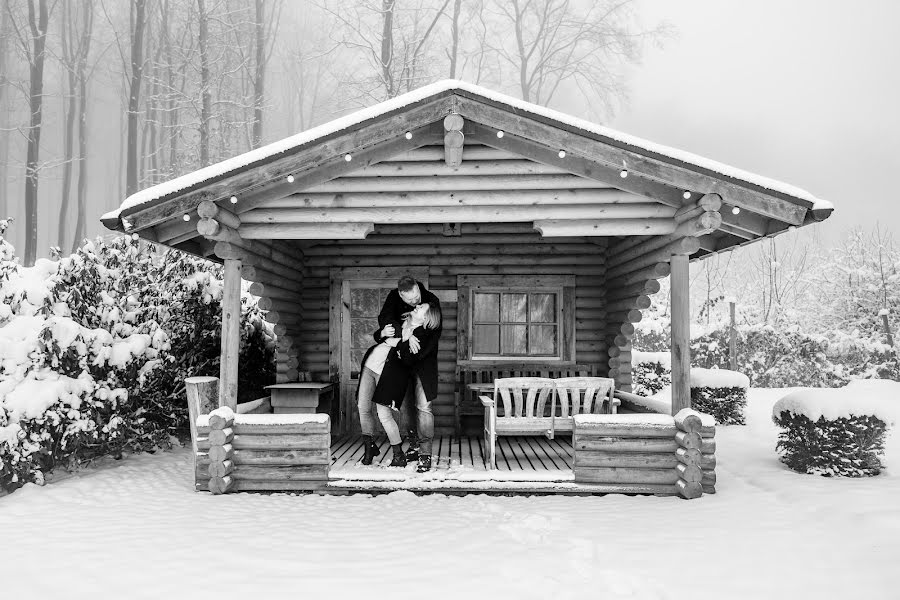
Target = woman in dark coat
(399,368)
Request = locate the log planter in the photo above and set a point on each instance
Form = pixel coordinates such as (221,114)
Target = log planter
(646,453)
(248,452)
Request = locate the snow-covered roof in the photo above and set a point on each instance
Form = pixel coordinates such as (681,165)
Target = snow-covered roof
(266,153)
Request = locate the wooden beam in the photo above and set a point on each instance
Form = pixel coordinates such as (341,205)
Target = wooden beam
(225,251)
(305,231)
(508,195)
(639,163)
(211,210)
(706,203)
(655,271)
(461,183)
(497,168)
(681,333)
(456,214)
(454,140)
(577,165)
(687,246)
(436,154)
(372,142)
(604,227)
(231,334)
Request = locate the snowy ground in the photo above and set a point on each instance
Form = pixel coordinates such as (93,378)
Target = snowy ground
(137,530)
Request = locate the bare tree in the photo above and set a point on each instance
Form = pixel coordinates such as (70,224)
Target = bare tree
(5,37)
(557,41)
(138,22)
(33,44)
(82,77)
(206,98)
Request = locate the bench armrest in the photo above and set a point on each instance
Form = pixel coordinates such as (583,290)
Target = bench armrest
(486,401)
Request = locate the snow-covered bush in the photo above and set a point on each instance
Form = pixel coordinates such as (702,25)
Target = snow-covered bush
(650,372)
(94,348)
(837,432)
(720,393)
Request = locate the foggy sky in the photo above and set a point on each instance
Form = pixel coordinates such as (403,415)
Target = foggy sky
(804,91)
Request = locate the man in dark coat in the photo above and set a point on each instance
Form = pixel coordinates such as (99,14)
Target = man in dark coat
(409,294)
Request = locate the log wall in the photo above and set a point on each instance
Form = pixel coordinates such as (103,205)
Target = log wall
(646,453)
(262,452)
(501,249)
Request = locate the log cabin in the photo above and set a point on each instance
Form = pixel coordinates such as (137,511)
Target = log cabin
(543,236)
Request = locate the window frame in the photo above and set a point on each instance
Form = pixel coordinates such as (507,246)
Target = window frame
(563,286)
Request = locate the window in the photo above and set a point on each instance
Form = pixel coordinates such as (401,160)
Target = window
(513,318)
(515,323)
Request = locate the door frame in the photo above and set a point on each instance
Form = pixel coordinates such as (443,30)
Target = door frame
(339,327)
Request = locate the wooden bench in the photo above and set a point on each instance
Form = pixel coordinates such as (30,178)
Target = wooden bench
(524,402)
(467,403)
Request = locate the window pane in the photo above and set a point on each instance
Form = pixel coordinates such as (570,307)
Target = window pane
(542,308)
(512,308)
(361,332)
(365,302)
(513,339)
(486,339)
(543,340)
(487,307)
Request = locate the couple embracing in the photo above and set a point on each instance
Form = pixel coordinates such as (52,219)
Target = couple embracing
(405,354)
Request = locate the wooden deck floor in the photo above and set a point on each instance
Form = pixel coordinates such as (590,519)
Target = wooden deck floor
(525,465)
(519,453)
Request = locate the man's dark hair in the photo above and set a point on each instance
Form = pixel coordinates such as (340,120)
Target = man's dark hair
(406,284)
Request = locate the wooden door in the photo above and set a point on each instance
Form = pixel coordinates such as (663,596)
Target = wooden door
(357,295)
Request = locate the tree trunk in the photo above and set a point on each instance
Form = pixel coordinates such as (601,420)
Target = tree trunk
(67,27)
(134,94)
(5,33)
(206,102)
(38,25)
(454,50)
(259,81)
(387,45)
(82,76)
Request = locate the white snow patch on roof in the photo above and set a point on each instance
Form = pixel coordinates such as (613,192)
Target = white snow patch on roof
(220,169)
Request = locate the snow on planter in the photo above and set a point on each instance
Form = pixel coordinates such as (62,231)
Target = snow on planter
(837,431)
(721,393)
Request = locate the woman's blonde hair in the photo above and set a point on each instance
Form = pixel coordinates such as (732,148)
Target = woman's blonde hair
(432,316)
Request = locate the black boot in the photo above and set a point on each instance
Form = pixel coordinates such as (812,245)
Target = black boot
(370,450)
(424,463)
(412,453)
(399,457)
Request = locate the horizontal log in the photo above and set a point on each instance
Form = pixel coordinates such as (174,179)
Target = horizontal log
(585,431)
(293,307)
(605,227)
(275,456)
(225,251)
(626,304)
(280,473)
(438,249)
(271,291)
(646,287)
(625,475)
(220,485)
(217,421)
(275,427)
(436,153)
(688,421)
(624,444)
(284,486)
(454,214)
(688,490)
(220,453)
(220,437)
(629,316)
(682,246)
(689,473)
(655,271)
(709,477)
(615,458)
(701,225)
(215,469)
(468,167)
(688,440)
(305,231)
(494,262)
(706,203)
(260,275)
(458,183)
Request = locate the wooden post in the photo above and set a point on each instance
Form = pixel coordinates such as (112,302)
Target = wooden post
(202,398)
(681,327)
(732,344)
(231,334)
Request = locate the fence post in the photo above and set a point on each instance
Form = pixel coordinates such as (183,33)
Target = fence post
(887,326)
(732,344)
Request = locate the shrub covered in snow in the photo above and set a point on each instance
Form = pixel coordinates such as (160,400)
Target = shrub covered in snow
(94,348)
(720,393)
(650,372)
(837,432)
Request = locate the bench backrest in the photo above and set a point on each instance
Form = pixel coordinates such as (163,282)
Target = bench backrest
(584,395)
(523,396)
